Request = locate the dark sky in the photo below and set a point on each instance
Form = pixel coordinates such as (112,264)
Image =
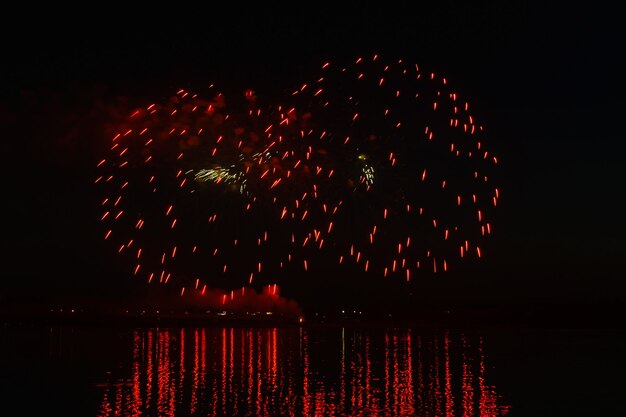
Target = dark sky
(547,81)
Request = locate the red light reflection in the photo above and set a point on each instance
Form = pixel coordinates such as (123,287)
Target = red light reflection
(294,372)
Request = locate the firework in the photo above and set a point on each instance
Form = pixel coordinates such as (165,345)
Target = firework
(189,186)
(372,164)
(411,168)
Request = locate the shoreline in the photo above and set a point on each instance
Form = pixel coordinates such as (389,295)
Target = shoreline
(428,322)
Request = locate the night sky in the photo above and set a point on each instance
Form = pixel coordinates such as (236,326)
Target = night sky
(547,82)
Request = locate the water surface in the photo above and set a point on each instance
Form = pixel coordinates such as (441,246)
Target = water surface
(308,371)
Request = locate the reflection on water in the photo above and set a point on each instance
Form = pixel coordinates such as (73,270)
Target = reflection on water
(269,372)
